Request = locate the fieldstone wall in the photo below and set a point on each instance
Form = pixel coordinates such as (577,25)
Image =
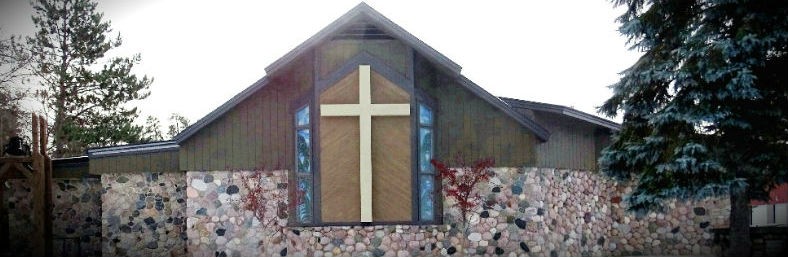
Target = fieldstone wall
(218,224)
(17,196)
(528,212)
(580,213)
(143,214)
(76,225)
(76,221)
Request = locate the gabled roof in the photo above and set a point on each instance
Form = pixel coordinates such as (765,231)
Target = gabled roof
(365,12)
(362,12)
(563,110)
(221,110)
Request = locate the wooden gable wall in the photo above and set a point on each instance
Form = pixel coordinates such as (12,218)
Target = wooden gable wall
(258,133)
(469,126)
(334,53)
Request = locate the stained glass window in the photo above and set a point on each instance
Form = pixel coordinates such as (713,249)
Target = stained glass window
(304,204)
(426,172)
(425,115)
(302,117)
(425,149)
(303,147)
(426,197)
(303,167)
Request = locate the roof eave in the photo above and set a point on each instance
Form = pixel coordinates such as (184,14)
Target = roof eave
(153,147)
(221,110)
(563,110)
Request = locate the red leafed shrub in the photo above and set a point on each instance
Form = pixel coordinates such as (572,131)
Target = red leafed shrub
(255,199)
(259,200)
(459,183)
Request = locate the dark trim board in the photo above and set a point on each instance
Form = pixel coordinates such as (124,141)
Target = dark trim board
(317,195)
(155,147)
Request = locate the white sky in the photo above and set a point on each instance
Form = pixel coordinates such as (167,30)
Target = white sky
(201,53)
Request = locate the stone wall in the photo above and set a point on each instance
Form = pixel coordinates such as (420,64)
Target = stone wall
(76,221)
(580,213)
(541,212)
(218,224)
(143,214)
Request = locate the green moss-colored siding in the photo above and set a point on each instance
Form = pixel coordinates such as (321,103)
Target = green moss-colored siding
(572,143)
(70,171)
(334,53)
(256,134)
(470,126)
(146,162)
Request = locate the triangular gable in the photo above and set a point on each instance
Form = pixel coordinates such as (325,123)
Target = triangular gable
(360,19)
(382,27)
(364,12)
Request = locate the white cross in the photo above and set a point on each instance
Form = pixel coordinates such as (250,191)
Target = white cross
(365,110)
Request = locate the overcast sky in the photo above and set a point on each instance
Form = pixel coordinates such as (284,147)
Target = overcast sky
(201,53)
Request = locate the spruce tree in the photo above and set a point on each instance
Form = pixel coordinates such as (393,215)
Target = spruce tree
(704,108)
(87,91)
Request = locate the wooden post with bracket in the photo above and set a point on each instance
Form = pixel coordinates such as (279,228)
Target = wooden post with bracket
(37,170)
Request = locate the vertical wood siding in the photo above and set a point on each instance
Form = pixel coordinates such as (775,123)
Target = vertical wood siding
(469,126)
(146,162)
(334,53)
(258,133)
(572,144)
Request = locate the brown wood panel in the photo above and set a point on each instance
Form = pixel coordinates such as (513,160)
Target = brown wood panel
(144,162)
(334,54)
(221,144)
(384,91)
(339,162)
(267,135)
(173,157)
(206,151)
(277,130)
(468,125)
(183,161)
(343,92)
(254,134)
(391,169)
(245,157)
(258,130)
(210,143)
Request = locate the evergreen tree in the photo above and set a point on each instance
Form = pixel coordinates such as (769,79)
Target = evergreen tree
(87,91)
(151,132)
(705,107)
(177,124)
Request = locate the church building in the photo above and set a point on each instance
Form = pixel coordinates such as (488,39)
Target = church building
(338,137)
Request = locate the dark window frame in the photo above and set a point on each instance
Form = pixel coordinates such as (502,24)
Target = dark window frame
(296,106)
(422,98)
